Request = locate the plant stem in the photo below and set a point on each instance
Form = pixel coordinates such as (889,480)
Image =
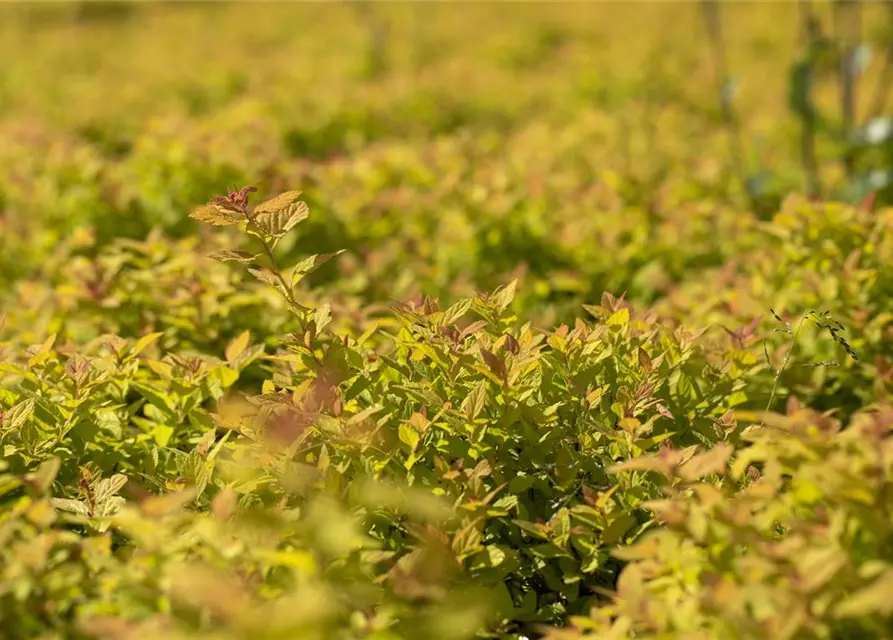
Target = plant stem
(710,11)
(847,21)
(296,308)
(879,100)
(804,106)
(784,364)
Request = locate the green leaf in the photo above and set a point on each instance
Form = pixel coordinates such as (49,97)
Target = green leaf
(107,487)
(531,528)
(467,540)
(278,203)
(408,436)
(265,275)
(215,451)
(234,255)
(162,434)
(106,509)
(396,366)
(18,414)
(455,312)
(869,601)
(311,264)
(322,317)
(302,561)
(561,524)
(548,550)
(644,549)
(157,398)
(45,346)
(368,333)
(235,348)
(617,527)
(704,464)
(71,506)
(619,318)
(8,483)
(247,357)
(474,401)
(143,343)
(198,471)
(45,475)
(503,296)
(520,483)
(506,503)
(221,378)
(163,369)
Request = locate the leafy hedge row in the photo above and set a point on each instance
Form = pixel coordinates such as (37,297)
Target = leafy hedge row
(451,471)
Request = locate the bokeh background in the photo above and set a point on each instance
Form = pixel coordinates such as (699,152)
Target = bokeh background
(643,149)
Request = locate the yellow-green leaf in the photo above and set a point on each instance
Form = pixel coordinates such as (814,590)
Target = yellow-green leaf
(278,203)
(216,216)
(871,600)
(619,318)
(143,343)
(234,255)
(278,215)
(237,346)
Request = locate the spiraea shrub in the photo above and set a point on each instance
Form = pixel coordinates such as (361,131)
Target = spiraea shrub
(450,471)
(549,344)
(787,535)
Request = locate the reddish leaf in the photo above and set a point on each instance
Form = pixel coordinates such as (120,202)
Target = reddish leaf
(497,366)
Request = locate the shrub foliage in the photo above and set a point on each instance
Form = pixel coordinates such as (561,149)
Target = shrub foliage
(515,368)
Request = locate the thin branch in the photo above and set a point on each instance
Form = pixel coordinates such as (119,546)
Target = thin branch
(847,22)
(803,76)
(879,101)
(712,19)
